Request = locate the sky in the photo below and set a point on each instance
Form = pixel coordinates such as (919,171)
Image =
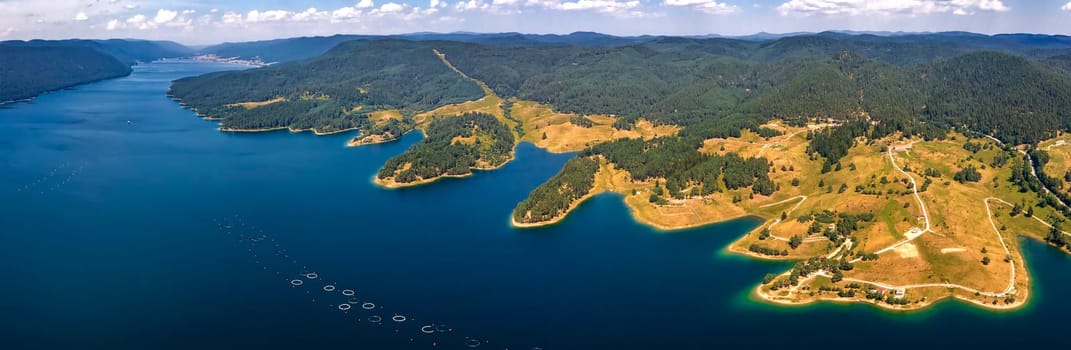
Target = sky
(200,22)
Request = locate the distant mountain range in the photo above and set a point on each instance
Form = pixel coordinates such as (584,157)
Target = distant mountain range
(36,66)
(290,49)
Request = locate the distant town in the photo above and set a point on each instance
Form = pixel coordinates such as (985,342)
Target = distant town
(255,61)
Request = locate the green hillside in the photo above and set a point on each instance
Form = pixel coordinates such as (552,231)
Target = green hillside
(26,72)
(331,92)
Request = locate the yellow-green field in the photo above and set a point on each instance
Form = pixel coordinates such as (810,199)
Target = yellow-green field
(1059,150)
(255,104)
(552,130)
(946,262)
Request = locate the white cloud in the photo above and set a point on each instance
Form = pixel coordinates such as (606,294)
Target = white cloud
(164,16)
(310,15)
(471,5)
(391,7)
(231,18)
(81,16)
(597,5)
(315,17)
(449,19)
(708,6)
(616,8)
(346,13)
(139,18)
(1067,6)
(889,7)
(267,16)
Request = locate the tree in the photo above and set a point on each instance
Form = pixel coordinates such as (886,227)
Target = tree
(1056,234)
(985,260)
(968,174)
(795,241)
(554,197)
(438,154)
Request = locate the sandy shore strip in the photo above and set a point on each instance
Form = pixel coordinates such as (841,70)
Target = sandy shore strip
(576,203)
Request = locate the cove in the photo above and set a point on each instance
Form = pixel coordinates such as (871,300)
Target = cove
(111,239)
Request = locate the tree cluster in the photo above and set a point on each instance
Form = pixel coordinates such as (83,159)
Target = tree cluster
(554,197)
(443,151)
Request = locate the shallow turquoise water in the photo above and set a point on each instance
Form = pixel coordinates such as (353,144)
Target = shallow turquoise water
(114,236)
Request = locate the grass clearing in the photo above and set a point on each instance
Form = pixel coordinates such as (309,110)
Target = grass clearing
(382,117)
(951,255)
(552,130)
(255,104)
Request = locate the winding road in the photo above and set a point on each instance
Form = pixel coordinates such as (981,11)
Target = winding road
(778,220)
(914,188)
(1010,290)
(1033,170)
(918,232)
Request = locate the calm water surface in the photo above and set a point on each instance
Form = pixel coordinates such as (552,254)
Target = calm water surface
(138,235)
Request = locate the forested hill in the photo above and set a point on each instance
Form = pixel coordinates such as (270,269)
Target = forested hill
(280,50)
(332,92)
(29,71)
(919,84)
(127,51)
(1018,100)
(293,49)
(29,68)
(709,85)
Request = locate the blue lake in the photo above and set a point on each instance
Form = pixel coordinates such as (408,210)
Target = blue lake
(128,222)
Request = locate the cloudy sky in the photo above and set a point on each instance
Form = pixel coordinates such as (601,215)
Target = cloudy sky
(207,21)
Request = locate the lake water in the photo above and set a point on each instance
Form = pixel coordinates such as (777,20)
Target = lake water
(141,235)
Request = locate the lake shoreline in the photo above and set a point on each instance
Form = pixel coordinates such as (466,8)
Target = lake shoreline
(68,87)
(556,219)
(391,184)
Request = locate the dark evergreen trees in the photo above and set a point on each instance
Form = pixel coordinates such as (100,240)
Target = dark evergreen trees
(968,174)
(453,146)
(678,160)
(551,199)
(26,72)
